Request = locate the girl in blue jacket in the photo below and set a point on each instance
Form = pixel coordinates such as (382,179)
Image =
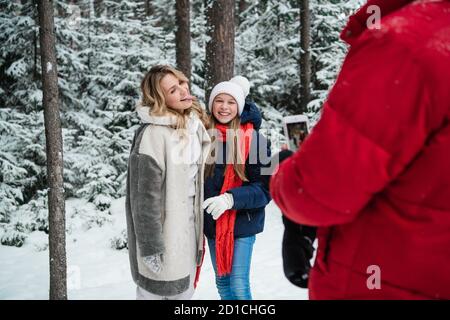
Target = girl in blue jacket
(234,190)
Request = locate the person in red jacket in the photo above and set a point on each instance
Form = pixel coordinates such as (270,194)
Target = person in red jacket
(374,174)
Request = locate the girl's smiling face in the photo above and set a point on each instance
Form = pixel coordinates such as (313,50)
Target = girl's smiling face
(176,92)
(224,108)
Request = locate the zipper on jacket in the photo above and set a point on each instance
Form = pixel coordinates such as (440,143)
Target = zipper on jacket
(248,216)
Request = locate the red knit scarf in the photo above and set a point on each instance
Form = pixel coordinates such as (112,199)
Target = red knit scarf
(225,223)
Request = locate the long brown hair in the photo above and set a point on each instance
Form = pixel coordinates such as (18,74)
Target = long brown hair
(153,96)
(234,156)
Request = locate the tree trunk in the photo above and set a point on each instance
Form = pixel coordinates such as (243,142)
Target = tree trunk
(183,37)
(35,40)
(220,48)
(148,8)
(56,214)
(305,57)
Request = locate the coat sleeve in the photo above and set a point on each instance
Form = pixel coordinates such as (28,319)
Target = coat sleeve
(375,121)
(146,179)
(255,193)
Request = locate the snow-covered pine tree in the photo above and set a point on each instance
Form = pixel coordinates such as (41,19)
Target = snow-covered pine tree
(103,49)
(119,57)
(267,49)
(198,47)
(102,59)
(22,147)
(327,50)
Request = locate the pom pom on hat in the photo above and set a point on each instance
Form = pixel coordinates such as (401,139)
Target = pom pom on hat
(243,82)
(238,87)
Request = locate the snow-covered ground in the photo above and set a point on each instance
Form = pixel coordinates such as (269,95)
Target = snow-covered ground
(96,271)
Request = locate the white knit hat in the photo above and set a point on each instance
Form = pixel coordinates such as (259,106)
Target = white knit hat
(238,87)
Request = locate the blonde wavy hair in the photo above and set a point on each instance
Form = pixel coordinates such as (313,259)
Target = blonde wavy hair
(153,97)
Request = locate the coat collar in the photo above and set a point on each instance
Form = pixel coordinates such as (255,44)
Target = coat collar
(194,124)
(144,115)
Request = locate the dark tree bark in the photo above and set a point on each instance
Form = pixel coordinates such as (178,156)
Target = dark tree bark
(220,48)
(56,205)
(183,37)
(35,40)
(305,56)
(148,8)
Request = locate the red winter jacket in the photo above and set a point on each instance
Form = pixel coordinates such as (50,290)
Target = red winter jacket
(374,174)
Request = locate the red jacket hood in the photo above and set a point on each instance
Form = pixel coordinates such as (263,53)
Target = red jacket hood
(357,22)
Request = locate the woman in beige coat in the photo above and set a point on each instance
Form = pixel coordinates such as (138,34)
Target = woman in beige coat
(165,188)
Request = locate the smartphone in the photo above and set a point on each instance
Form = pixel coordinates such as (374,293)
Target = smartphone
(296,128)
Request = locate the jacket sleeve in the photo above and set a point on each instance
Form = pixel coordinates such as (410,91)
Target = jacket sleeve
(375,121)
(146,178)
(255,194)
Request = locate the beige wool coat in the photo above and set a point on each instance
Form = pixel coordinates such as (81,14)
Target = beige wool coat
(159,217)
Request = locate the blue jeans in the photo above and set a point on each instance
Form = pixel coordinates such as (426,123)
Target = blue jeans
(235,286)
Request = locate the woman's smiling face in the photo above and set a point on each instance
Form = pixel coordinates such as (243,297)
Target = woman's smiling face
(224,108)
(176,92)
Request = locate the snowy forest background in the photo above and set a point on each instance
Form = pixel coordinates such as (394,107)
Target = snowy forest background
(103,50)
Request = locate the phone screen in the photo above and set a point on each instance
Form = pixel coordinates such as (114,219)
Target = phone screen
(297,132)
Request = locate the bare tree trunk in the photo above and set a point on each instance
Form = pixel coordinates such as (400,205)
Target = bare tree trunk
(56,208)
(183,37)
(220,48)
(35,40)
(305,56)
(148,8)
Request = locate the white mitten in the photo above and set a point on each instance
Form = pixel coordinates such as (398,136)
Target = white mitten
(154,262)
(218,205)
